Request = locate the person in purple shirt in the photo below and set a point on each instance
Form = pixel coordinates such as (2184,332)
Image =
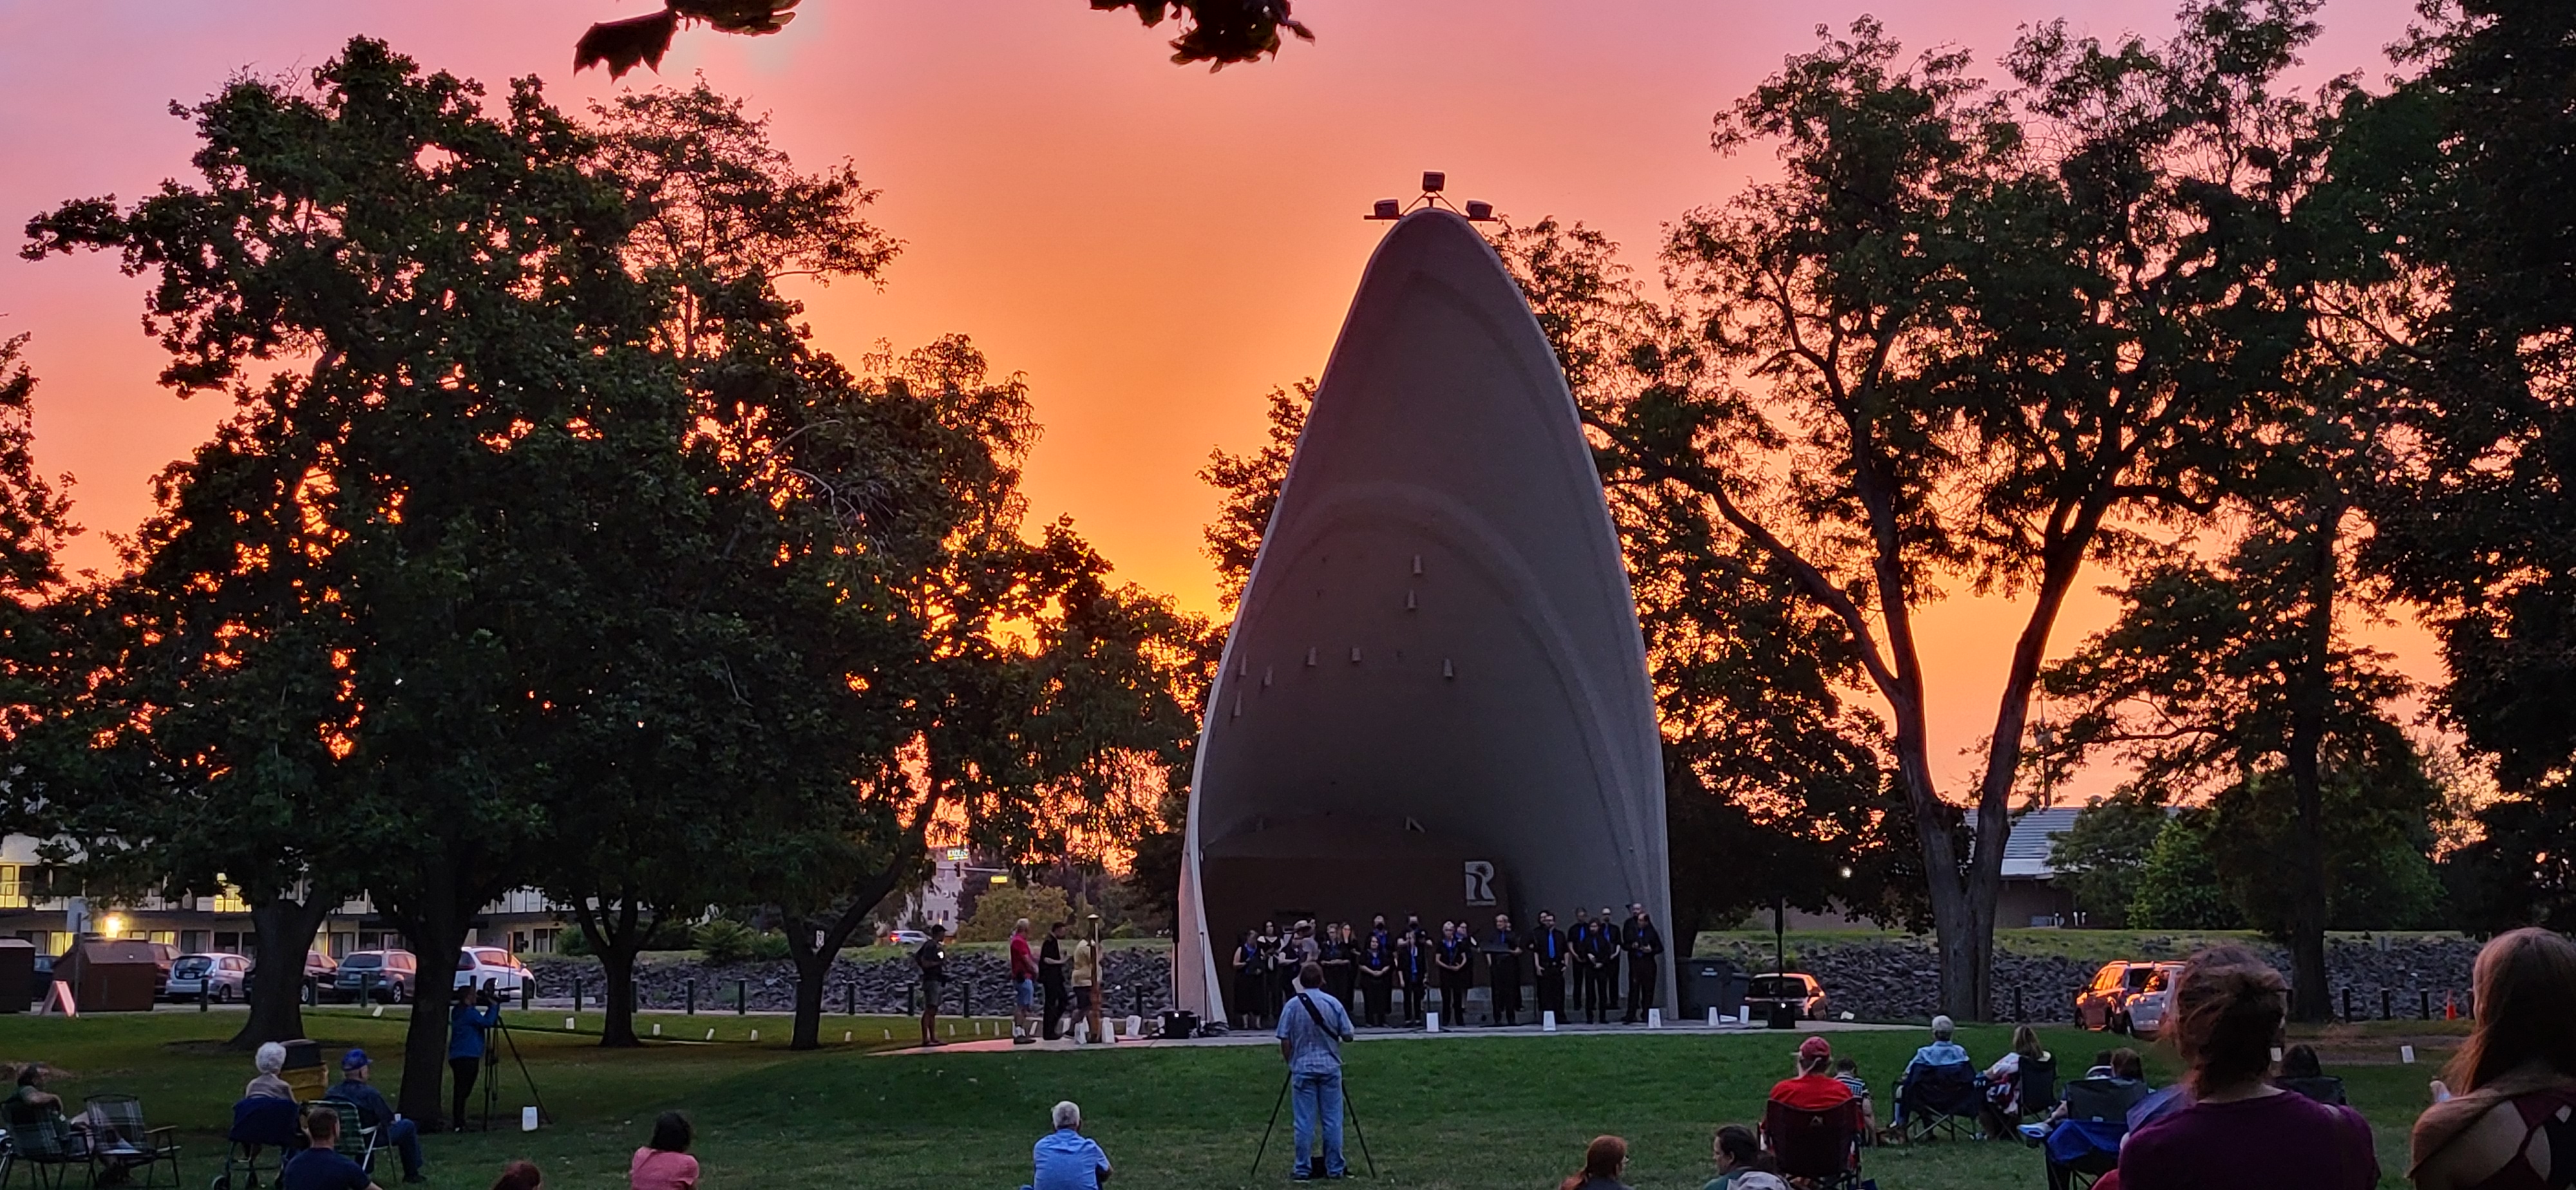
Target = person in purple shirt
(2240,1132)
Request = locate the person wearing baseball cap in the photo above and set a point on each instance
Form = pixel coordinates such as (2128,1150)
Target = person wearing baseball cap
(1814,1087)
(373,1112)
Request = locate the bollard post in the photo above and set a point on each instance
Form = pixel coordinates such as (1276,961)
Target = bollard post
(2384,1003)
(966,998)
(527,994)
(850,998)
(692,995)
(2017,1017)
(2423,1005)
(2347,1004)
(576,993)
(201,990)
(741,996)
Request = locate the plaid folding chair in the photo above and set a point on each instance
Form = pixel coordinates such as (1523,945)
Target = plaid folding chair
(41,1141)
(122,1140)
(357,1142)
(1817,1150)
(1941,1101)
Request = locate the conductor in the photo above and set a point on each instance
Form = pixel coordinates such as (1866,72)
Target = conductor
(1311,1031)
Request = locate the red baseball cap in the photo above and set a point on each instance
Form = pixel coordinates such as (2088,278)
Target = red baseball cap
(1815,1047)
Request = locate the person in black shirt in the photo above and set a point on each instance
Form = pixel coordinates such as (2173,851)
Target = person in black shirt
(1413,968)
(1643,945)
(1452,959)
(1548,953)
(1051,979)
(1250,964)
(1269,940)
(1377,974)
(1605,967)
(1339,961)
(319,1165)
(1576,938)
(1379,935)
(1503,971)
(932,960)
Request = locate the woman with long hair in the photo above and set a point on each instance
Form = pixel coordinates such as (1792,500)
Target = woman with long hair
(2241,1132)
(520,1175)
(1603,1161)
(2511,1090)
(2002,1109)
(664,1162)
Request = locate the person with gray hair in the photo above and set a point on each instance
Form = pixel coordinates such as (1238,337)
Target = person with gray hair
(1065,1158)
(269,1059)
(1942,1052)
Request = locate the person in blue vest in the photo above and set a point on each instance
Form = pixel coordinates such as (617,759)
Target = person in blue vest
(1413,968)
(468,1019)
(1548,951)
(1312,1028)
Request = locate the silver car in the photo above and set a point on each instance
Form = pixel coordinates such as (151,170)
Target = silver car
(217,976)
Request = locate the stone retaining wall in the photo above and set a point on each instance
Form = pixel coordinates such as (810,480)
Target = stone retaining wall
(1899,980)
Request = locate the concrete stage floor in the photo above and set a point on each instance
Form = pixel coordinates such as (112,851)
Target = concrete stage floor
(1001,1044)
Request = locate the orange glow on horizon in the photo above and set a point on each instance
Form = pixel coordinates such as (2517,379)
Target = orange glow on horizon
(1154,247)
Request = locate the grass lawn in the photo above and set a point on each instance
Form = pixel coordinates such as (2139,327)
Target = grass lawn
(1462,1112)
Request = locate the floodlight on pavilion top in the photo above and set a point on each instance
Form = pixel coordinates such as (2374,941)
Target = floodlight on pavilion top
(1433,181)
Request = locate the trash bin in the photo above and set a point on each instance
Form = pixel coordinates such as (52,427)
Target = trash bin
(17,974)
(118,975)
(1710,982)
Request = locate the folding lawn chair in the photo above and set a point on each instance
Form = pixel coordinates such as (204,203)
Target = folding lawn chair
(41,1140)
(123,1141)
(1940,1101)
(2038,1086)
(2086,1144)
(2324,1088)
(266,1130)
(357,1142)
(1817,1150)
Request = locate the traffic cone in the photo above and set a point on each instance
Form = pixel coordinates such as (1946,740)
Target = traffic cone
(2450,1007)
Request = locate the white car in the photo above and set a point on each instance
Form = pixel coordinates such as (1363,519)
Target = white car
(906,937)
(479,966)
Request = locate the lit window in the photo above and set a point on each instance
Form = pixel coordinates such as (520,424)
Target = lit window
(230,901)
(13,886)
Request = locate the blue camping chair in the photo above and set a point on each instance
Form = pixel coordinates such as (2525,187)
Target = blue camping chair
(266,1131)
(1941,1101)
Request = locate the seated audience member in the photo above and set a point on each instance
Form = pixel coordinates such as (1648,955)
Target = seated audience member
(1604,1160)
(1941,1052)
(2301,1074)
(269,1060)
(320,1166)
(1847,1072)
(2003,1105)
(2083,1135)
(2241,1132)
(30,1101)
(1741,1163)
(2500,1111)
(1065,1158)
(1813,1088)
(520,1175)
(373,1112)
(664,1162)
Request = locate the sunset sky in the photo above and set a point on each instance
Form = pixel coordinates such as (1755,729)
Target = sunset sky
(1154,246)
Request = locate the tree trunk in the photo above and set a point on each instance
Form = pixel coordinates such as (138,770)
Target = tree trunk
(2310,997)
(436,941)
(813,943)
(616,937)
(285,929)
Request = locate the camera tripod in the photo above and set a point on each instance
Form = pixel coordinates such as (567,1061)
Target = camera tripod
(1349,1108)
(492,1072)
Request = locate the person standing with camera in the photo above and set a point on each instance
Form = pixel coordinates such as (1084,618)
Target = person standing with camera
(932,961)
(1312,1028)
(468,1020)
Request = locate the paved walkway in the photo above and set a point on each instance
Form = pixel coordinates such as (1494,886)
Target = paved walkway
(1262,1037)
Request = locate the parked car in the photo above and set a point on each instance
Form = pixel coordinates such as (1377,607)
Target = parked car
(2104,1003)
(218,976)
(386,975)
(1798,990)
(318,971)
(478,966)
(905,937)
(2147,1008)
